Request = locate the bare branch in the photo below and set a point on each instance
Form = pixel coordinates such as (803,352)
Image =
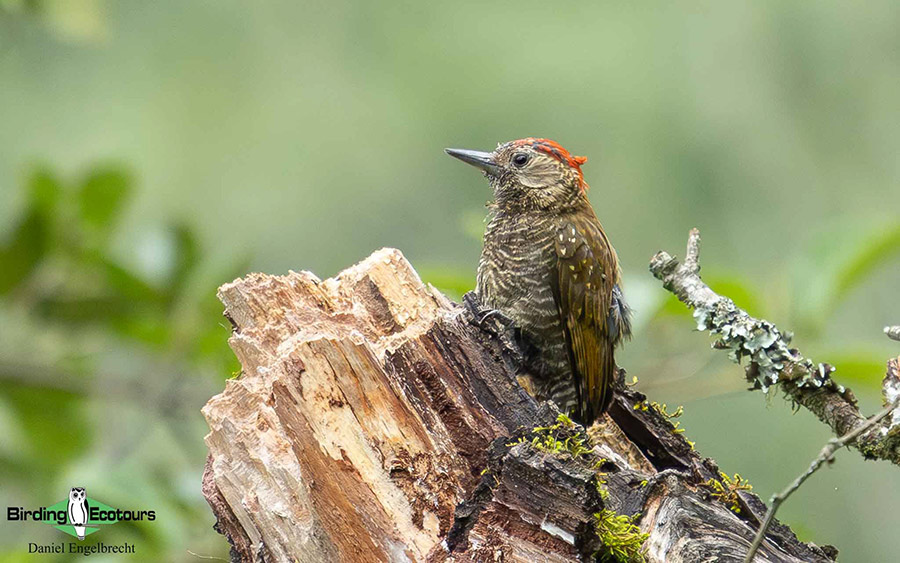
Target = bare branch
(826,455)
(692,256)
(771,360)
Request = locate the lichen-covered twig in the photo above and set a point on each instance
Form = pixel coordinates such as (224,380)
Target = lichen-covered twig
(826,455)
(771,360)
(892,332)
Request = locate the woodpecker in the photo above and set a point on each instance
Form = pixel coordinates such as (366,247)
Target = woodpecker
(548,267)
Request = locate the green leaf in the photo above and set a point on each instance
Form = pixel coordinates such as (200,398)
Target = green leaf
(23,253)
(118,298)
(136,321)
(672,307)
(55,423)
(187,255)
(743,295)
(121,281)
(80,309)
(148,329)
(876,250)
(44,191)
(101,197)
(859,368)
(828,273)
(726,285)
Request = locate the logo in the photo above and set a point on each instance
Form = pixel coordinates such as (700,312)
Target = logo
(79,515)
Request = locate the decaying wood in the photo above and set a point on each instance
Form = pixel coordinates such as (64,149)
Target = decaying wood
(373,421)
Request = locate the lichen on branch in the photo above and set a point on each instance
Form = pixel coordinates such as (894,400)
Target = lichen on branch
(770,358)
(764,345)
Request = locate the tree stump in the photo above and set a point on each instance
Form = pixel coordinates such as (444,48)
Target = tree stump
(373,421)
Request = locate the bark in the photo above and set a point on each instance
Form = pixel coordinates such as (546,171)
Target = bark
(373,421)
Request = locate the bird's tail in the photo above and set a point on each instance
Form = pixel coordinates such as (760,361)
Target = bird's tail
(585,401)
(597,400)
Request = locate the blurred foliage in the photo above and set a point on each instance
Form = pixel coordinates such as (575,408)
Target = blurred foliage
(739,290)
(59,263)
(69,20)
(60,277)
(451,282)
(839,264)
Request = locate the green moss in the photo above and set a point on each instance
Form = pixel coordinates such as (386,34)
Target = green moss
(601,486)
(727,489)
(565,420)
(552,439)
(663,410)
(622,541)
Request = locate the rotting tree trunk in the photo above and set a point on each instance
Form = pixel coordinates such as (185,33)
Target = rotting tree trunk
(374,422)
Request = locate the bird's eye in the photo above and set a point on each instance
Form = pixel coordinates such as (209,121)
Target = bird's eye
(520,159)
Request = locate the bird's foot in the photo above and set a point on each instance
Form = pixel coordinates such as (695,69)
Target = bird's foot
(481,314)
(511,337)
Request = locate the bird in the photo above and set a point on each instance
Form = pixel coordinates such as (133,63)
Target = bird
(78,510)
(548,267)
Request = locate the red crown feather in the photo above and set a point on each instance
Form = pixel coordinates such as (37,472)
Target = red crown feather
(556,150)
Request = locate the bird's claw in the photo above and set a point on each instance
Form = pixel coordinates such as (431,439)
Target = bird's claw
(494,314)
(482,315)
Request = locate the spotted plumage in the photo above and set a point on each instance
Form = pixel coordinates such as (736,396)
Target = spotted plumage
(548,266)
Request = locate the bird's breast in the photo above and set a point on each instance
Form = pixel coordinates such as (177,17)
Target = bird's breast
(515,276)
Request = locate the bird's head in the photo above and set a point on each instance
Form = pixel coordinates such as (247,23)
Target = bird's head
(530,173)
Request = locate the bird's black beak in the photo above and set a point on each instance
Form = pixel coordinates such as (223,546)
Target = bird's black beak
(481,160)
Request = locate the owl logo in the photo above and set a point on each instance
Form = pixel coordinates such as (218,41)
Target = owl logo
(78,510)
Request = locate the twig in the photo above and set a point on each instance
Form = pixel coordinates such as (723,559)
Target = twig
(209,557)
(770,358)
(892,332)
(692,258)
(826,455)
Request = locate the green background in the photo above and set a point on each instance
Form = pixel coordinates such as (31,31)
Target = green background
(150,151)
